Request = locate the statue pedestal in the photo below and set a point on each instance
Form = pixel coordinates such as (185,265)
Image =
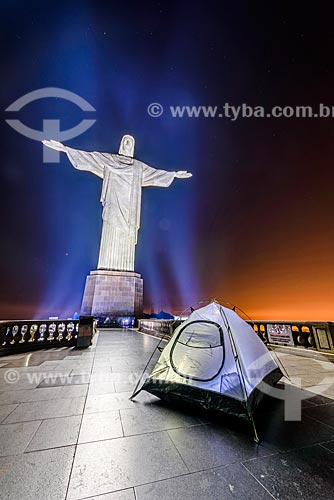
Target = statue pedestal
(113,294)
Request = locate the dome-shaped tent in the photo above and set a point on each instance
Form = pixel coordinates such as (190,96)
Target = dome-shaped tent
(214,360)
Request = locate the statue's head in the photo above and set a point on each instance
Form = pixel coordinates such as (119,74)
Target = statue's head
(127,146)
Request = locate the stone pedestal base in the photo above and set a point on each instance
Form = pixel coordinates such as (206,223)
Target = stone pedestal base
(113,294)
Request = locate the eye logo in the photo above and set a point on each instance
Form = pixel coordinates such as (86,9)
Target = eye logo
(51,128)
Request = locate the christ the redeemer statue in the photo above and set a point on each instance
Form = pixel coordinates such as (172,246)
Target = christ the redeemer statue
(123,178)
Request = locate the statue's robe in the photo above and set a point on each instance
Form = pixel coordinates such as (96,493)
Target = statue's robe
(123,177)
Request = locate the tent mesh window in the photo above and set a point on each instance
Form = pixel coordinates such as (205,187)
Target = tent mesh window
(206,362)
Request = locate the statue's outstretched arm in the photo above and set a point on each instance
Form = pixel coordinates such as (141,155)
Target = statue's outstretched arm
(183,174)
(161,178)
(58,146)
(81,160)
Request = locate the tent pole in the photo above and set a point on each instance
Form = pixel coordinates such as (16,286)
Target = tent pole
(256,437)
(279,362)
(241,377)
(136,391)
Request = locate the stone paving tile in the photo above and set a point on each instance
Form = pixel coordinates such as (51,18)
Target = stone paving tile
(81,371)
(287,435)
(101,363)
(101,369)
(306,367)
(101,356)
(14,438)
(85,356)
(317,399)
(329,445)
(124,386)
(307,403)
(327,365)
(117,401)
(124,376)
(127,494)
(55,433)
(100,426)
(53,362)
(35,358)
(41,410)
(108,402)
(141,419)
(271,404)
(9,357)
(76,362)
(37,475)
(323,414)
(121,368)
(44,369)
(231,482)
(22,365)
(304,473)
(61,381)
(116,464)
(144,399)
(101,378)
(206,446)
(6,410)
(325,390)
(99,388)
(73,391)
(25,381)
(81,359)
(136,364)
(27,395)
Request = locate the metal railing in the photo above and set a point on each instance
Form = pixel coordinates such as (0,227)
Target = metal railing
(317,336)
(16,336)
(158,327)
(311,335)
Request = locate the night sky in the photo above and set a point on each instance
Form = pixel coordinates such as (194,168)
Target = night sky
(253,226)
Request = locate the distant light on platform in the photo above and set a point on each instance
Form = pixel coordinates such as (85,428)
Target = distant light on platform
(127,322)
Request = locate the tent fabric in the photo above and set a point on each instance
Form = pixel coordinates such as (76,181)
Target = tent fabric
(215,360)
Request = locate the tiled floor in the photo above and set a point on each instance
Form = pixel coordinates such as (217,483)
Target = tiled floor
(69,431)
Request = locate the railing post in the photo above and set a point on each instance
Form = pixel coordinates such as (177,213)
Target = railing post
(86,331)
